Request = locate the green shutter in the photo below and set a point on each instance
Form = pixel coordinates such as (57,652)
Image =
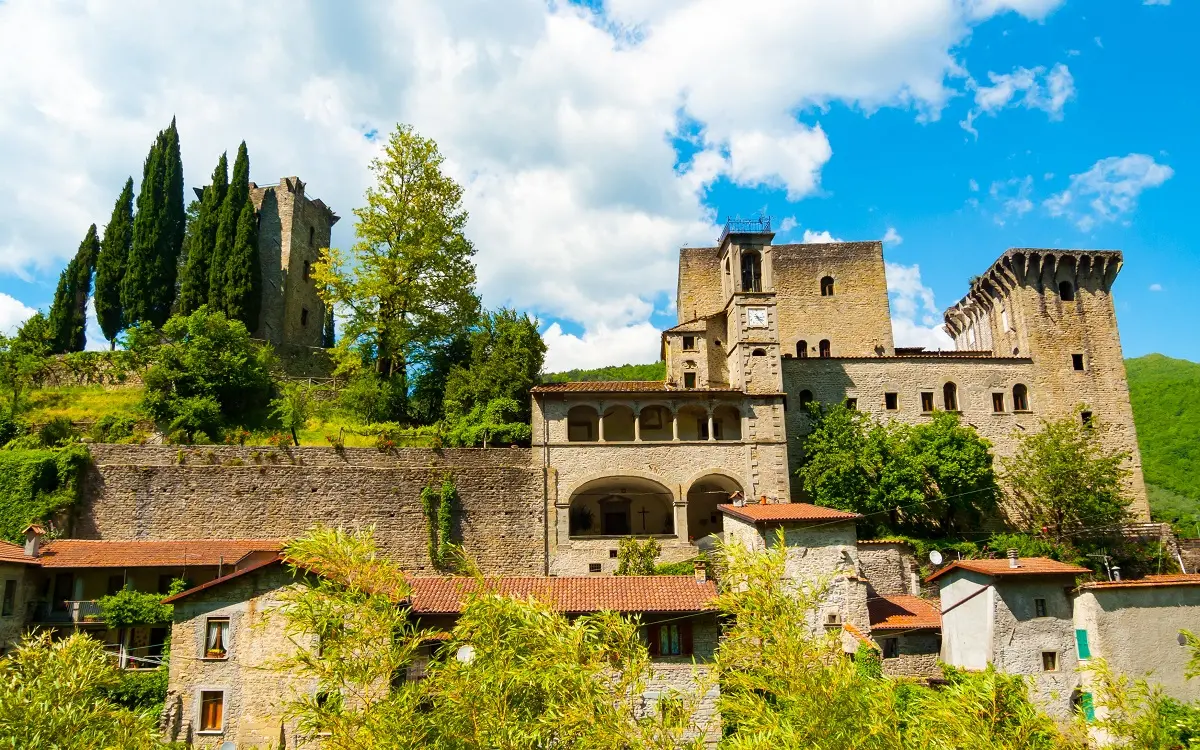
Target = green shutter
(1089,708)
(1081,644)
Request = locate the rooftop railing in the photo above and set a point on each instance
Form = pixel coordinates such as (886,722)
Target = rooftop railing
(738,225)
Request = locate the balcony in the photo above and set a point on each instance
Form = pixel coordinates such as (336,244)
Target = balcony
(738,225)
(84,612)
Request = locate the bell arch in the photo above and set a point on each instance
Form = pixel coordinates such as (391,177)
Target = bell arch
(621,506)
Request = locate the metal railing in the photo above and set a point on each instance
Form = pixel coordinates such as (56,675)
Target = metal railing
(738,225)
(72,611)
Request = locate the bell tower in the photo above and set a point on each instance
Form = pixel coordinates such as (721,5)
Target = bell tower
(747,281)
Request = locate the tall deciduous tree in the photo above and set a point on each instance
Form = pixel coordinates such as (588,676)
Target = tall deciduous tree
(149,287)
(68,313)
(110,264)
(243,272)
(408,283)
(1063,478)
(235,198)
(193,288)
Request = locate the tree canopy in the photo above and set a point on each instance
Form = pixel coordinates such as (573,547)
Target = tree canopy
(148,290)
(194,283)
(68,313)
(111,262)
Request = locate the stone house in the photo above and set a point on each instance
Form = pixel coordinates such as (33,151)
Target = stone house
(17,592)
(236,692)
(908,630)
(1134,626)
(1015,614)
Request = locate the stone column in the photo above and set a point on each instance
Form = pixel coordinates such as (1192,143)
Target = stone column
(712,436)
(675,425)
(600,424)
(637,425)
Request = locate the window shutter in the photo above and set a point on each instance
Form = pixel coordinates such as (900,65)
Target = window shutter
(1081,644)
(652,632)
(1089,707)
(685,638)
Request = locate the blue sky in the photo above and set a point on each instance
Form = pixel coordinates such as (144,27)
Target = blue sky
(595,140)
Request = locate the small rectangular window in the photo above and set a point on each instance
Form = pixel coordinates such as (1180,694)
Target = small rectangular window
(891,401)
(689,380)
(1039,607)
(307,270)
(1077,362)
(998,402)
(9,606)
(689,343)
(212,709)
(1087,419)
(702,427)
(926,401)
(216,638)
(304,316)
(594,567)
(891,648)
(851,403)
(1049,661)
(612,554)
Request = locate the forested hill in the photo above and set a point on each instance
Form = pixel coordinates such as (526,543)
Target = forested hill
(1166,409)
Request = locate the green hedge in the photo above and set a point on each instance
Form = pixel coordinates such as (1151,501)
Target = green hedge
(37,483)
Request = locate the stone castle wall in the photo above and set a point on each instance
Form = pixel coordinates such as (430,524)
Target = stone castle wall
(144,492)
(698,292)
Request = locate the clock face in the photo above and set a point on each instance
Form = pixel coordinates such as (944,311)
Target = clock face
(756,317)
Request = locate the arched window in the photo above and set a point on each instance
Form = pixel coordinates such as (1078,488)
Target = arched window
(759,353)
(950,397)
(806,397)
(824,348)
(1020,397)
(802,349)
(827,286)
(1066,291)
(751,272)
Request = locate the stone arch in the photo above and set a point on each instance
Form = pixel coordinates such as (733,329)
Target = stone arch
(727,421)
(950,400)
(705,491)
(825,349)
(583,424)
(802,349)
(1066,291)
(805,397)
(751,271)
(618,423)
(693,421)
(655,421)
(1020,397)
(632,503)
(826,286)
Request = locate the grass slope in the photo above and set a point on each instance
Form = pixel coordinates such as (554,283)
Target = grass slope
(653,371)
(1165,394)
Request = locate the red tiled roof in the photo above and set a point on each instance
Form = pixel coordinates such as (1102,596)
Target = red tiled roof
(622,386)
(227,577)
(780,512)
(859,636)
(902,612)
(1176,579)
(572,595)
(15,553)
(84,553)
(1000,567)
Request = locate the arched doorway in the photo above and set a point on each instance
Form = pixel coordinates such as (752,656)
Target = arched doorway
(621,506)
(703,497)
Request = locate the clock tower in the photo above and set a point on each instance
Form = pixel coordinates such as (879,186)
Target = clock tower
(752,323)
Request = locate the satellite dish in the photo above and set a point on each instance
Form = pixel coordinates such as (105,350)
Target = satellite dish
(465,654)
(935,557)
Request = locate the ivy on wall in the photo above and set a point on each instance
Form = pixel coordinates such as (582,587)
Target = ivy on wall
(37,483)
(440,506)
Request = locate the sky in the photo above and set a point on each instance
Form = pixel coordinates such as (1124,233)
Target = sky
(594,139)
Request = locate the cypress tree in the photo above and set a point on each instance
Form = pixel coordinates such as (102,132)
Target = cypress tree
(193,289)
(236,196)
(149,288)
(110,264)
(174,222)
(68,314)
(243,272)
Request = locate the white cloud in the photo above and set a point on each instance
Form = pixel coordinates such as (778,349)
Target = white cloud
(13,313)
(892,237)
(1108,191)
(812,238)
(558,121)
(1156,2)
(916,319)
(1156,287)
(972,185)
(788,224)
(1032,88)
(600,346)
(1013,196)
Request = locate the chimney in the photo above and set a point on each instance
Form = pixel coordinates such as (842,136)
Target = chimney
(738,499)
(762,499)
(33,540)
(1012,559)
(701,569)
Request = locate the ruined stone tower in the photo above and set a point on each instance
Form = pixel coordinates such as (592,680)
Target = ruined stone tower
(292,229)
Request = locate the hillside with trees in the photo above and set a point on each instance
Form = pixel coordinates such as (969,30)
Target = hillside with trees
(1165,394)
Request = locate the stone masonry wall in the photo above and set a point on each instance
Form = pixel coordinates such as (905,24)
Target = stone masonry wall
(698,291)
(1020,637)
(143,492)
(888,567)
(918,654)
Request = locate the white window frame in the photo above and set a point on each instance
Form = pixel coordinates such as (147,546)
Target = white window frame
(200,710)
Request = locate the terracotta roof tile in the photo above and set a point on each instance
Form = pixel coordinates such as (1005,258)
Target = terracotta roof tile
(572,595)
(859,636)
(1176,579)
(83,553)
(1000,567)
(622,386)
(15,553)
(690,326)
(780,512)
(227,577)
(902,612)
(884,541)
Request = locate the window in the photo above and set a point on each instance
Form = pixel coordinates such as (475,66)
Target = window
(927,401)
(891,401)
(891,648)
(304,316)
(802,349)
(212,708)
(670,639)
(9,606)
(216,638)
(689,380)
(594,567)
(1077,362)
(1004,319)
(1039,607)
(612,554)
(312,234)
(1087,419)
(164,582)
(851,403)
(759,353)
(689,343)
(827,286)
(1020,397)
(806,397)
(1049,661)
(307,270)
(824,348)
(950,397)
(702,427)
(751,272)
(998,403)
(115,584)
(1066,291)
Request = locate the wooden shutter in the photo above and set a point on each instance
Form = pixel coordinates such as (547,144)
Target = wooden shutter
(652,633)
(1081,644)
(685,638)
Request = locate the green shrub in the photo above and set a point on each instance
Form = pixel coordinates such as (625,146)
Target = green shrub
(36,484)
(141,691)
(57,432)
(9,428)
(636,558)
(112,427)
(128,608)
